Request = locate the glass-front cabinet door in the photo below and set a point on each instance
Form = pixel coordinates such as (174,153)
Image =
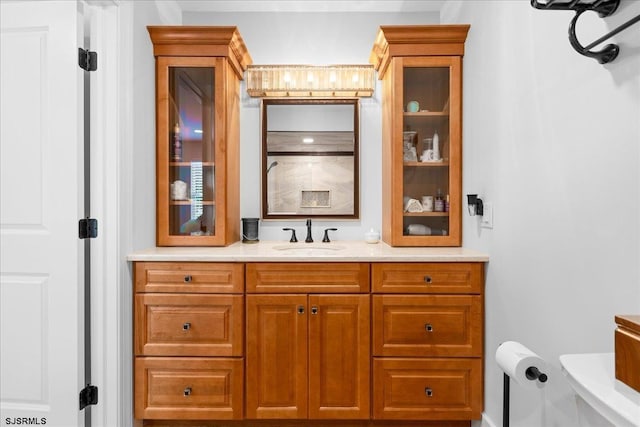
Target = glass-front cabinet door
(198,74)
(187,146)
(426,143)
(421,72)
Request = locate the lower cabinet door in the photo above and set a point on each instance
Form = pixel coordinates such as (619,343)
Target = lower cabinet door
(171,388)
(276,354)
(427,389)
(308,356)
(339,357)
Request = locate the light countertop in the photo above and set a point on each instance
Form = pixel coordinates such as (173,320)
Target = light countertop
(338,251)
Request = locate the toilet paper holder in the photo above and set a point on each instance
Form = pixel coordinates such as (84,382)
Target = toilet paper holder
(533,374)
(512,357)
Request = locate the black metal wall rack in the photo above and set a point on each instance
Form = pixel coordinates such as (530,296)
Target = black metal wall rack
(604,8)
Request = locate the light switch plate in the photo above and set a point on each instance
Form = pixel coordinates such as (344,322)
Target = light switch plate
(487,217)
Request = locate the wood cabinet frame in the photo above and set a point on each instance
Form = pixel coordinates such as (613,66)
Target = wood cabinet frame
(222,49)
(355,352)
(321,366)
(398,48)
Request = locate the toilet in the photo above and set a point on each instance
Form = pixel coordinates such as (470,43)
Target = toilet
(601,400)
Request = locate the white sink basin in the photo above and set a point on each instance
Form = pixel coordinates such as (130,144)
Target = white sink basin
(309,248)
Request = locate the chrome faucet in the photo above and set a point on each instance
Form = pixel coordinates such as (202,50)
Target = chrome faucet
(309,239)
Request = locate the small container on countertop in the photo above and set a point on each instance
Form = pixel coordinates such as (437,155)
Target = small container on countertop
(372,236)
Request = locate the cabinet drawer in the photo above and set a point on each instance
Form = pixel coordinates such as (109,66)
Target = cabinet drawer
(427,325)
(189,325)
(417,389)
(428,278)
(193,277)
(307,277)
(188,388)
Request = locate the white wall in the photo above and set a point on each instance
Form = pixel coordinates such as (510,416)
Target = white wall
(552,139)
(314,39)
(146,12)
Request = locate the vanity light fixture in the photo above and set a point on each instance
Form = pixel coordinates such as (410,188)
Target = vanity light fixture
(308,81)
(474,204)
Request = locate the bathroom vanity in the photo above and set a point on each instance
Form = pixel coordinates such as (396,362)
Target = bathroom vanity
(325,331)
(272,333)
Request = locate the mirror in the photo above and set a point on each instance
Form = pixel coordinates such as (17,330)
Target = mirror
(310,158)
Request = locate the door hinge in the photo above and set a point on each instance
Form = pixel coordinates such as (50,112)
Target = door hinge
(88,396)
(88,228)
(87,60)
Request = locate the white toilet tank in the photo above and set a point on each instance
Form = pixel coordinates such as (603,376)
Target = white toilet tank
(602,401)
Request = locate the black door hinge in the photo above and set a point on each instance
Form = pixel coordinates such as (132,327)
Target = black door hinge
(88,228)
(87,60)
(88,396)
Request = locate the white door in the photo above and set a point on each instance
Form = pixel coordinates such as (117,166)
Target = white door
(41,189)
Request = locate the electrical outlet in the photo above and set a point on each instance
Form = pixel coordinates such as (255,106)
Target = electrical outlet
(487,216)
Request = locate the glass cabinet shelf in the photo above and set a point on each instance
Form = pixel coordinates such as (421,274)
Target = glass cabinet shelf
(189,164)
(416,164)
(192,202)
(438,114)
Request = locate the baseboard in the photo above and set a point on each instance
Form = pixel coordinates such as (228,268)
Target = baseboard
(484,422)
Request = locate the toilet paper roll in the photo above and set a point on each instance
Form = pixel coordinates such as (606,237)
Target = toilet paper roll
(518,361)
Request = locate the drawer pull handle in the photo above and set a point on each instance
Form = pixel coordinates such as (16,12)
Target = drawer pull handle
(314,310)
(428,279)
(187,391)
(301,309)
(428,392)
(428,327)
(186,326)
(188,278)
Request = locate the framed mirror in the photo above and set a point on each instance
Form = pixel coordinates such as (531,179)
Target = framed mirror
(310,158)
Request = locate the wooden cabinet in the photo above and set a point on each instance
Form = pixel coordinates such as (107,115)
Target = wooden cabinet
(429,278)
(198,73)
(308,354)
(292,342)
(435,325)
(427,341)
(188,388)
(421,70)
(189,340)
(189,325)
(189,277)
(427,388)
(277,353)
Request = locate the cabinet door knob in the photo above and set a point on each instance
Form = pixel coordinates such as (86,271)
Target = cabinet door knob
(187,278)
(314,310)
(186,326)
(428,279)
(428,327)
(187,391)
(301,309)
(428,392)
